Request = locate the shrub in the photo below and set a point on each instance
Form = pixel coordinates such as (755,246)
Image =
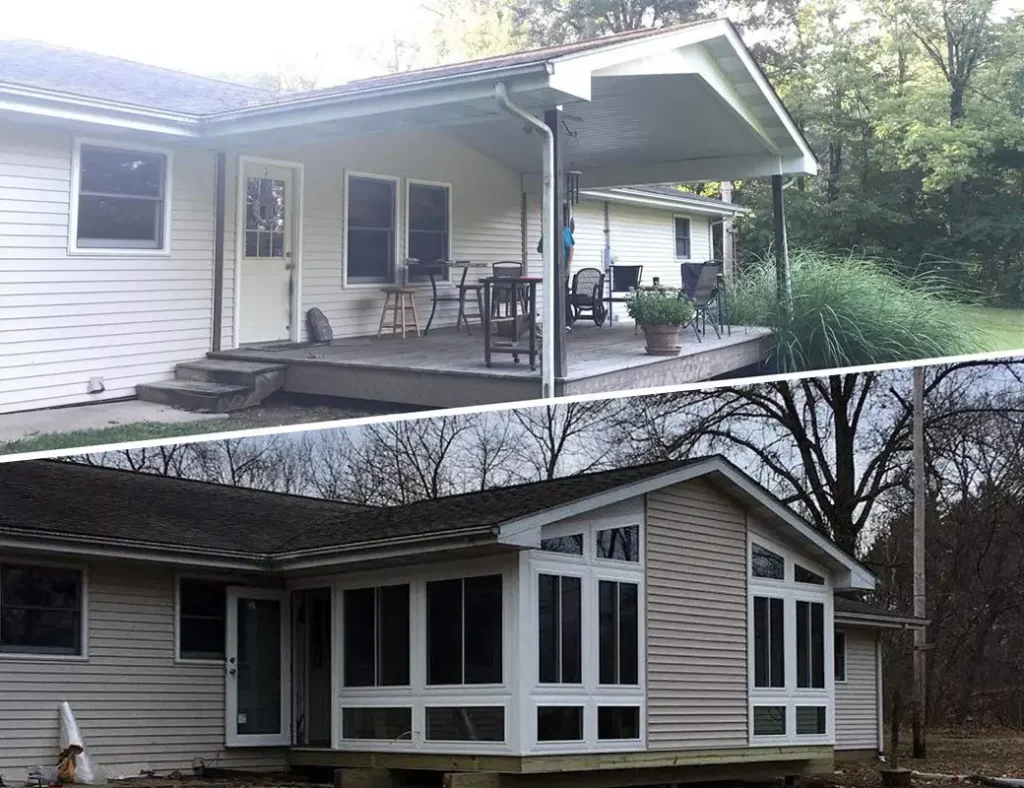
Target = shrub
(852,310)
(659,307)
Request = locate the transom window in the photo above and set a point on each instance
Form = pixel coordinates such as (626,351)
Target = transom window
(376,652)
(682,227)
(765,563)
(202,610)
(619,544)
(464,641)
(371,210)
(617,632)
(560,644)
(119,198)
(803,575)
(264,217)
(429,222)
(569,545)
(40,610)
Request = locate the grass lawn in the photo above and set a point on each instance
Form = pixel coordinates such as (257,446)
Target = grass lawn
(1004,328)
(276,411)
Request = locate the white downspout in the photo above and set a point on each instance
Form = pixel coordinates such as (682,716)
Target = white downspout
(547,358)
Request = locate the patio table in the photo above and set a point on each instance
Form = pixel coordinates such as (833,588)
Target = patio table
(527,286)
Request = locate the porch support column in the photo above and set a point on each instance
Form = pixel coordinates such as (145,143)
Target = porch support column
(553,120)
(784,285)
(218,249)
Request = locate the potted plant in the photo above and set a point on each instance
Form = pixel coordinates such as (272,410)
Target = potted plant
(661,314)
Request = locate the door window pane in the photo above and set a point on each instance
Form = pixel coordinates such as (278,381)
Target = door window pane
(466,723)
(560,723)
(259,666)
(201,625)
(40,610)
(264,217)
(619,544)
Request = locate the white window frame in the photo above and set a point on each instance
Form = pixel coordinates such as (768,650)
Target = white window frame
(409,182)
(76,184)
(590,693)
(790,696)
(347,175)
(83,635)
(224,580)
(419,695)
(341,638)
(689,225)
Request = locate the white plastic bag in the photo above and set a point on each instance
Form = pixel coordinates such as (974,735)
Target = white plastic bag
(72,745)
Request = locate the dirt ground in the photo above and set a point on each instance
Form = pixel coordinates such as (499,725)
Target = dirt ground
(994,753)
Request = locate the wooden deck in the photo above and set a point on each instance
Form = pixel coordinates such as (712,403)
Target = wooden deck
(446,368)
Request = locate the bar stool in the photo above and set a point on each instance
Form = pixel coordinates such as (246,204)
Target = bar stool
(402,302)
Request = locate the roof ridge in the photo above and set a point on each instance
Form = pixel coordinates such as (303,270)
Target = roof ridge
(128,61)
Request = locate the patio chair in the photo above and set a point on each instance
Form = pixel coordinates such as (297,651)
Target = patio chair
(506,269)
(702,284)
(586,296)
(624,278)
(458,295)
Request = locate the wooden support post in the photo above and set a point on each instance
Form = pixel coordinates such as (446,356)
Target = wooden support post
(784,287)
(553,120)
(218,249)
(471,780)
(920,609)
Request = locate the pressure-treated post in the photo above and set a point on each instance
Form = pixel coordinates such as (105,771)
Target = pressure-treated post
(784,287)
(919,568)
(553,119)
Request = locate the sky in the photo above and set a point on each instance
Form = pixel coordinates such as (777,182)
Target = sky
(332,40)
(335,39)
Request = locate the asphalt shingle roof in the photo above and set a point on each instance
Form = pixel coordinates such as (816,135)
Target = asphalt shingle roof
(844,604)
(38,65)
(102,502)
(34,64)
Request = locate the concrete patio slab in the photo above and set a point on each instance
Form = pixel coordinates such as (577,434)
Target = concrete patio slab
(17,426)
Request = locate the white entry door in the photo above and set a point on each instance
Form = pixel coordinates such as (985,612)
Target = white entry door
(258,681)
(267,254)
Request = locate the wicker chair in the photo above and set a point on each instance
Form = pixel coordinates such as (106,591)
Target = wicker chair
(586,297)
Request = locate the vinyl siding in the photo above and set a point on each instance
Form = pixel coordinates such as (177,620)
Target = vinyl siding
(857,698)
(137,709)
(65,319)
(696,619)
(486,219)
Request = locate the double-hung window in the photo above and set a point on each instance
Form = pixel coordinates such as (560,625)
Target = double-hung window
(120,199)
(41,610)
(429,221)
(682,233)
(202,614)
(376,647)
(371,211)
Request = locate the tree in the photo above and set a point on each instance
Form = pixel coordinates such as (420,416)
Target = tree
(549,22)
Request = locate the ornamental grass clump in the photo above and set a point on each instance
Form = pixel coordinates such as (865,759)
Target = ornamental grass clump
(852,310)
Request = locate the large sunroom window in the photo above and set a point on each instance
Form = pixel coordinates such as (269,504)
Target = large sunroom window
(464,622)
(376,652)
(559,637)
(617,632)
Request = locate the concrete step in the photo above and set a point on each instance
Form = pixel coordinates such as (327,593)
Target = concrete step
(201,396)
(242,373)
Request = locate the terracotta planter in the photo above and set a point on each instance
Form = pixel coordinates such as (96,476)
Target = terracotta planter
(662,340)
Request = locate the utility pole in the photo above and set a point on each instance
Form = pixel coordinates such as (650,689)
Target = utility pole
(920,610)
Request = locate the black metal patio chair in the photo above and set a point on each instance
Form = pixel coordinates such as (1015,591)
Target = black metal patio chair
(503,295)
(703,284)
(586,296)
(623,279)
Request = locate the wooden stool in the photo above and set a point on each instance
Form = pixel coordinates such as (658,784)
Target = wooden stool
(402,302)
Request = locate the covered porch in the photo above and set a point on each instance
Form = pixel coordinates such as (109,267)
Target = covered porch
(446,367)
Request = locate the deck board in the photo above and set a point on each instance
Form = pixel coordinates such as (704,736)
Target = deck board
(446,368)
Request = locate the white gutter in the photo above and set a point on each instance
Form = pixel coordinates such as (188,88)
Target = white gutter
(628,196)
(547,359)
